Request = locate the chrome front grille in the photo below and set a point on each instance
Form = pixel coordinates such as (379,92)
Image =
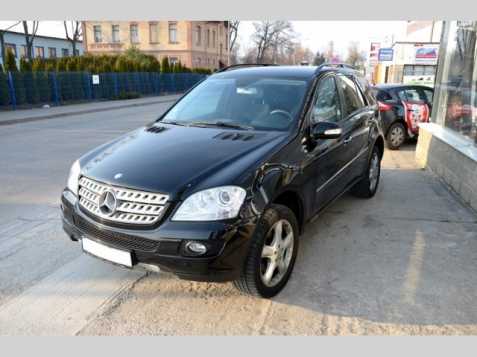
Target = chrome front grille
(132,206)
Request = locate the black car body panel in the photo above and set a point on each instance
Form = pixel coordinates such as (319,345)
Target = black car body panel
(272,166)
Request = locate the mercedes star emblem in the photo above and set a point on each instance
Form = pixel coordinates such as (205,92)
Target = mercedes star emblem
(107,203)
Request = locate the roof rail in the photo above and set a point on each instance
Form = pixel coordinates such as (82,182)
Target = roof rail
(235,66)
(338,65)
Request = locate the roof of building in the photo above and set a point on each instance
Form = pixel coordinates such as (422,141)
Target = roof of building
(39,36)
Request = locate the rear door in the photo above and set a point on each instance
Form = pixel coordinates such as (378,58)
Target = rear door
(355,125)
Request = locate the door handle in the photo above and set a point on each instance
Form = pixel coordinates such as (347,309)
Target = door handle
(347,140)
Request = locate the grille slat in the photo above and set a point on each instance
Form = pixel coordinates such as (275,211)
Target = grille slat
(119,240)
(132,206)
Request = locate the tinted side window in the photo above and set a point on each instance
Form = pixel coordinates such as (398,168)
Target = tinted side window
(382,96)
(353,100)
(409,94)
(326,106)
(429,95)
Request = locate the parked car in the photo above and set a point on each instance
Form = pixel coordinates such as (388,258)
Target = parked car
(402,107)
(220,187)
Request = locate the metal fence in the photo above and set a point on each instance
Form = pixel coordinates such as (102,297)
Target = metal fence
(23,89)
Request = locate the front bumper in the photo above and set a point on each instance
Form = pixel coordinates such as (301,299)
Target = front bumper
(164,246)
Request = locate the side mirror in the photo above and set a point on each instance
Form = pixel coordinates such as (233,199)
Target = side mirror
(326,130)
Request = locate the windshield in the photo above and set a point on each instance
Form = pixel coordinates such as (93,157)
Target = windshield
(245,103)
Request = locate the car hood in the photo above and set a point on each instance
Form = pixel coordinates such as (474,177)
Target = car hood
(168,158)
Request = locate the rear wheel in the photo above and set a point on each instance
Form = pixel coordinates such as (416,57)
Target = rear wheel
(272,253)
(367,187)
(396,136)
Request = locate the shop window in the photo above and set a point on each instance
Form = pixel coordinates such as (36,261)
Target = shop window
(456,88)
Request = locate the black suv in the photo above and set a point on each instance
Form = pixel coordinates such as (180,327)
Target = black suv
(220,187)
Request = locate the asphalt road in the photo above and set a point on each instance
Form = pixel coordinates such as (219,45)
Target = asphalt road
(401,263)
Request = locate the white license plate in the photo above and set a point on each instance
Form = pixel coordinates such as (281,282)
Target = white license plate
(102,251)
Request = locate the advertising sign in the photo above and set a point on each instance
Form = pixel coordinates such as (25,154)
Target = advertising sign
(385,54)
(426,54)
(373,53)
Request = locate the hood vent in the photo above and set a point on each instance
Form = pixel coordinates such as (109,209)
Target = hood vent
(235,136)
(155,129)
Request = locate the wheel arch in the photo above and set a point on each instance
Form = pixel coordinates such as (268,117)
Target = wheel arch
(294,202)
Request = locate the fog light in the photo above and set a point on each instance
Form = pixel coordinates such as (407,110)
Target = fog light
(196,248)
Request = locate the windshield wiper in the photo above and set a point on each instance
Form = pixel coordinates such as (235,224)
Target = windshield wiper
(221,124)
(174,123)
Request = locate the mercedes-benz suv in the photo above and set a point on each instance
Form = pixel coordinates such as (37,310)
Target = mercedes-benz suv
(220,187)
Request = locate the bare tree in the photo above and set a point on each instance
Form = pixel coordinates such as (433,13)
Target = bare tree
(233,32)
(74,33)
(30,37)
(330,51)
(355,57)
(275,36)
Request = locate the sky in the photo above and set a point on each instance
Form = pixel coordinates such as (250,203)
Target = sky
(317,34)
(313,34)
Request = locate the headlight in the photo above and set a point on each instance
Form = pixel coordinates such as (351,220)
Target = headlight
(211,205)
(72,183)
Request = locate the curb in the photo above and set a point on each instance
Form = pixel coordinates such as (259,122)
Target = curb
(79,112)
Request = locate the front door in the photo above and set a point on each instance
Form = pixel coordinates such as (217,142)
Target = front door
(322,156)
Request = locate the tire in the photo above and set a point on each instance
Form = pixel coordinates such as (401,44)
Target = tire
(396,136)
(367,187)
(252,280)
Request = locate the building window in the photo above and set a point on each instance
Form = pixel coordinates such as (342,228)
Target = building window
(154,32)
(97,33)
(39,52)
(173,32)
(65,52)
(198,35)
(11,47)
(23,51)
(208,38)
(214,35)
(173,60)
(51,52)
(134,34)
(455,98)
(115,33)
(221,50)
(77,53)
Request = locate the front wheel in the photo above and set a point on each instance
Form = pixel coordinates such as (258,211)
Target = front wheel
(271,255)
(367,187)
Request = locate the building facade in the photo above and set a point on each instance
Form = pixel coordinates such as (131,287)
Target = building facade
(411,57)
(43,46)
(448,145)
(194,43)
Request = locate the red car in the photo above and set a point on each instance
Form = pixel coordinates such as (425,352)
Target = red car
(402,108)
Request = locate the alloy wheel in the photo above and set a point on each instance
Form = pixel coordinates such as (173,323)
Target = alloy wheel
(374,169)
(277,253)
(397,136)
